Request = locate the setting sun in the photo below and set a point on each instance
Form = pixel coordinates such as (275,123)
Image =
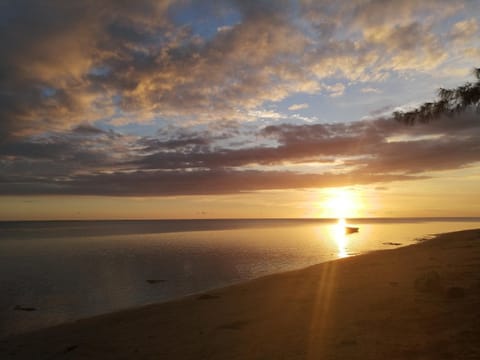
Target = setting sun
(342,203)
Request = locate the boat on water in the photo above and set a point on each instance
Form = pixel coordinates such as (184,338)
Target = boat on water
(351,229)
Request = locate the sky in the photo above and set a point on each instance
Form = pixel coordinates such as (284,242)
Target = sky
(154,109)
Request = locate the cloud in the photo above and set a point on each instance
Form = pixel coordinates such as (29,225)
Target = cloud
(192,183)
(410,46)
(68,69)
(464,30)
(335,90)
(64,155)
(87,129)
(265,114)
(295,107)
(184,162)
(67,64)
(369,90)
(374,13)
(53,46)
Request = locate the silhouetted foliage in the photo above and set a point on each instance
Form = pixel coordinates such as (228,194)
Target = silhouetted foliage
(450,102)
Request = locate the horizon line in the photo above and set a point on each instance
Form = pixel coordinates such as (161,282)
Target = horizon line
(255,219)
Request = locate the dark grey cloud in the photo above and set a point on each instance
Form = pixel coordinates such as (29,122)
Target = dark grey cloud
(87,129)
(63,155)
(186,163)
(207,182)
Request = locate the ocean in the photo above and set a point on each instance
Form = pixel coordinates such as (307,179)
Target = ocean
(58,271)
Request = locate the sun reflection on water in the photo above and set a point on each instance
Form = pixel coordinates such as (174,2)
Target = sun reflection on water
(340,237)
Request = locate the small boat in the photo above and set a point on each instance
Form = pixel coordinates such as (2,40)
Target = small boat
(350,229)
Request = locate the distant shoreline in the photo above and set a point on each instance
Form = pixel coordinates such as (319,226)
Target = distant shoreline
(415,301)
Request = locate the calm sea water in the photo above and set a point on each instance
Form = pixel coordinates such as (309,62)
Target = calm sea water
(69,270)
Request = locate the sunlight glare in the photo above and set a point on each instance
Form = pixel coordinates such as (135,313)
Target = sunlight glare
(340,238)
(342,203)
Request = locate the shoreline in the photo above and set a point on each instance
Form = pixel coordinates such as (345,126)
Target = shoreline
(395,303)
(192,294)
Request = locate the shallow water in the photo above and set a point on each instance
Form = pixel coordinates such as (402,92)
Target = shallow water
(69,270)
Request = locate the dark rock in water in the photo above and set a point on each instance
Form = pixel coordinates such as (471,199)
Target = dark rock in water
(429,282)
(23,308)
(455,292)
(155,281)
(392,243)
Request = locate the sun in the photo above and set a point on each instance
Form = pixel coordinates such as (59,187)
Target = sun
(342,203)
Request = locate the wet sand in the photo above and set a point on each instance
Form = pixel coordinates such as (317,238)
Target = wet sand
(415,302)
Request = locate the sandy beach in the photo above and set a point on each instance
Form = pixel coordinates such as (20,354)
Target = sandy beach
(414,302)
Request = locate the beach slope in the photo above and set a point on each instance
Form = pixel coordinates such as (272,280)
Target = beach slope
(415,302)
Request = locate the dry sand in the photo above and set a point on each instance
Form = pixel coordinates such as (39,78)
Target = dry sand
(416,302)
